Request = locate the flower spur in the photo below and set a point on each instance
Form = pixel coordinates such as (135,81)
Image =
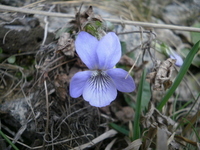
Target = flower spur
(100,83)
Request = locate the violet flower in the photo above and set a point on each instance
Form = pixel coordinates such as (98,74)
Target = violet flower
(179,60)
(100,83)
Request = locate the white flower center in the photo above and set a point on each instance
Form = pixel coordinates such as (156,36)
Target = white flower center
(98,73)
(99,80)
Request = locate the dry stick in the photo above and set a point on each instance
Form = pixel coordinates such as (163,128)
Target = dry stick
(138,54)
(4,38)
(46,68)
(45,30)
(136,23)
(33,4)
(11,90)
(130,32)
(133,64)
(47,107)
(7,74)
(71,115)
(17,18)
(46,25)
(154,25)
(31,11)
(141,45)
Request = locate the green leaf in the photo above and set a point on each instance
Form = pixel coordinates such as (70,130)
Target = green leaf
(119,129)
(146,95)
(129,100)
(11,59)
(94,28)
(98,24)
(182,72)
(123,46)
(136,126)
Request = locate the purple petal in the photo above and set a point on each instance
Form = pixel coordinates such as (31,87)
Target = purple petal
(118,75)
(78,82)
(179,60)
(100,91)
(86,45)
(108,51)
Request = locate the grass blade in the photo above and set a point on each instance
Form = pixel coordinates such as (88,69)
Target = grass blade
(5,137)
(180,75)
(119,129)
(136,126)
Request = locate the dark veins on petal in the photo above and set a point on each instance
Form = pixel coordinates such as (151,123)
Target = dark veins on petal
(100,81)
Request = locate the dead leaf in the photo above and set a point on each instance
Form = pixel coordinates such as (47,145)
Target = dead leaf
(82,19)
(60,80)
(161,76)
(60,86)
(154,120)
(125,60)
(167,84)
(66,45)
(92,16)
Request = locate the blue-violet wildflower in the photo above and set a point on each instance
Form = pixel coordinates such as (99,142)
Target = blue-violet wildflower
(179,60)
(100,83)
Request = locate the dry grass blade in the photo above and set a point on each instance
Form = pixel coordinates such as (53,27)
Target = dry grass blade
(135,145)
(198,145)
(19,133)
(161,143)
(170,139)
(102,137)
(47,107)
(184,140)
(10,66)
(191,122)
(109,146)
